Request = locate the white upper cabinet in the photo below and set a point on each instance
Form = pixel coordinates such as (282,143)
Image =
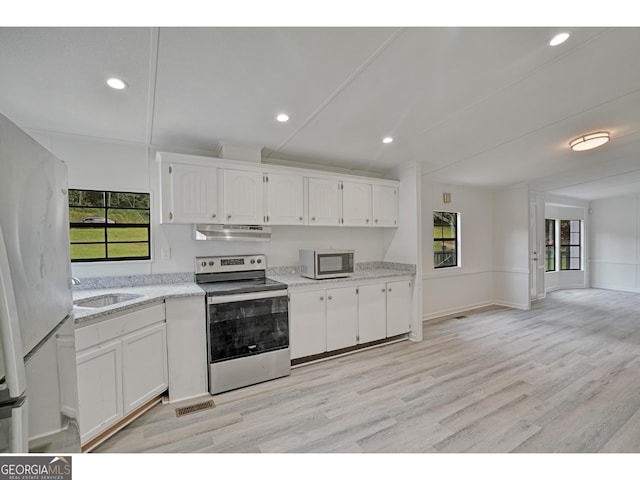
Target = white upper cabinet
(243,197)
(356,204)
(188,194)
(385,206)
(285,199)
(212,190)
(325,201)
(335,202)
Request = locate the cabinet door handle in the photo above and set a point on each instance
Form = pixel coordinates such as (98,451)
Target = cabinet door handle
(376,220)
(170,215)
(330,297)
(228,216)
(321,298)
(213,215)
(383,290)
(389,290)
(300,219)
(367,220)
(313,219)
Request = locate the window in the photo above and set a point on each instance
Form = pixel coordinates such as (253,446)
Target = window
(570,235)
(445,239)
(550,245)
(109,225)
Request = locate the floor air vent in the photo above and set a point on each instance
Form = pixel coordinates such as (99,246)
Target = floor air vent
(196,407)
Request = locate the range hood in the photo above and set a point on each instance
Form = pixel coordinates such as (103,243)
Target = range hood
(251,233)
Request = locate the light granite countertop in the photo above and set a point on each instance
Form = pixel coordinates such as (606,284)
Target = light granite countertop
(147,294)
(363,272)
(358,276)
(156,288)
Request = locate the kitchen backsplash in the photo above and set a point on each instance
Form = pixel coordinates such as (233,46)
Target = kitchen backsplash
(92,283)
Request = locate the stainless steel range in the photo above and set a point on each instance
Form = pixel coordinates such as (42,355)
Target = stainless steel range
(247,321)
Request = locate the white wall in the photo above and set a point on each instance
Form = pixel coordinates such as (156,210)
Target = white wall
(404,244)
(615,243)
(511,247)
(566,211)
(103,165)
(469,285)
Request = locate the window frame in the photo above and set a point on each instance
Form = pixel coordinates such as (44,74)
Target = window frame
(105,226)
(455,238)
(570,245)
(550,245)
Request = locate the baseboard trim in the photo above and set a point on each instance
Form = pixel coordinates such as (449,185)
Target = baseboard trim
(616,289)
(517,306)
(572,286)
(94,442)
(456,310)
(467,311)
(311,359)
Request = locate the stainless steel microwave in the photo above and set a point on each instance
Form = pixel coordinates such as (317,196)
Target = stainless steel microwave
(320,264)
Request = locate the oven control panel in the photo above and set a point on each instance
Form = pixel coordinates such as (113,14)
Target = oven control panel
(241,263)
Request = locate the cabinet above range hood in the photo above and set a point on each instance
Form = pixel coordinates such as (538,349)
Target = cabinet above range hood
(250,233)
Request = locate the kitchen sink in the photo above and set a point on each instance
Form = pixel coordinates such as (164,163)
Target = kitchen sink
(105,300)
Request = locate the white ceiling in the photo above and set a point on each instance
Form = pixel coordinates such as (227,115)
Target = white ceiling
(484,107)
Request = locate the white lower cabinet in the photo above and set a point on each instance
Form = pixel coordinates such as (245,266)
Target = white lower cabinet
(144,365)
(121,364)
(99,388)
(398,307)
(307,323)
(372,313)
(330,319)
(322,320)
(342,317)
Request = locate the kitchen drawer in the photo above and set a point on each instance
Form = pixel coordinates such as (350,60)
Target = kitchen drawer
(117,325)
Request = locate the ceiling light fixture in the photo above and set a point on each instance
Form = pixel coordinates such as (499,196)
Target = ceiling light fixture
(559,39)
(387,140)
(282,117)
(589,141)
(117,83)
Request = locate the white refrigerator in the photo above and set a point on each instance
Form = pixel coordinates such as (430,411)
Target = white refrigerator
(38,379)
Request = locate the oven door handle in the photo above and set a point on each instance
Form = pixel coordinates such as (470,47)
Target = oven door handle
(241,297)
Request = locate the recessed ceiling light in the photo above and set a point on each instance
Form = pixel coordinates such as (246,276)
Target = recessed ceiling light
(282,117)
(589,141)
(387,140)
(558,39)
(117,83)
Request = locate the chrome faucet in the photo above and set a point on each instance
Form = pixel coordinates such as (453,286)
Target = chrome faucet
(75,281)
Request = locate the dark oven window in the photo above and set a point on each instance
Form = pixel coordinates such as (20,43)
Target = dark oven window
(239,329)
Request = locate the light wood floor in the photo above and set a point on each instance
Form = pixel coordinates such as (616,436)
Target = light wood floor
(563,377)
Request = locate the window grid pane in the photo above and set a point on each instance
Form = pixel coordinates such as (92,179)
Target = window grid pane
(445,239)
(109,225)
(550,245)
(570,245)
